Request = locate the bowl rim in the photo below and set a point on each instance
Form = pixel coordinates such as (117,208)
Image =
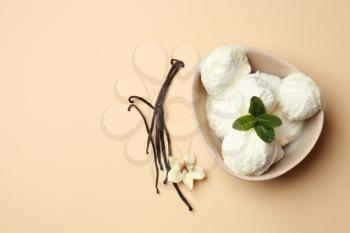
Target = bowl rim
(220,161)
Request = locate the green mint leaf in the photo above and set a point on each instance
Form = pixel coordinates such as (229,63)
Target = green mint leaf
(265,133)
(244,123)
(269,120)
(256,107)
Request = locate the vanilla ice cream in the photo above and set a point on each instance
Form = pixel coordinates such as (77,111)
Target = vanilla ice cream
(300,97)
(273,82)
(252,85)
(289,130)
(225,75)
(223,67)
(280,153)
(246,154)
(222,109)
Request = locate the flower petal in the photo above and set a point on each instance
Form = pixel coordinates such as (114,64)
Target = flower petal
(172,161)
(189,167)
(188,181)
(189,159)
(197,173)
(175,162)
(175,175)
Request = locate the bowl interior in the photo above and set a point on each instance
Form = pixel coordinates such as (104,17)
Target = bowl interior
(295,152)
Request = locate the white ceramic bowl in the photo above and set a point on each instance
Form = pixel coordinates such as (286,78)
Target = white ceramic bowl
(295,152)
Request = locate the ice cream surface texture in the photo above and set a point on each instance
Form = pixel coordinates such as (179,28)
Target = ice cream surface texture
(246,154)
(273,82)
(300,97)
(222,108)
(252,85)
(289,130)
(223,67)
(280,153)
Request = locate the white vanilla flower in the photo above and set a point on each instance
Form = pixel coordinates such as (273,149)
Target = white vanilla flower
(184,170)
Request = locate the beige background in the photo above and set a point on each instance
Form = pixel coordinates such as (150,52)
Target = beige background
(60,171)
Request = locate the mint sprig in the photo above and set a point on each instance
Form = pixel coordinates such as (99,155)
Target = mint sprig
(270,121)
(256,107)
(245,123)
(265,133)
(258,119)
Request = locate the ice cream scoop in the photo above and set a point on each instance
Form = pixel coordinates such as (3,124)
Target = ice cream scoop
(246,154)
(289,130)
(252,85)
(223,67)
(280,153)
(300,97)
(222,109)
(273,82)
